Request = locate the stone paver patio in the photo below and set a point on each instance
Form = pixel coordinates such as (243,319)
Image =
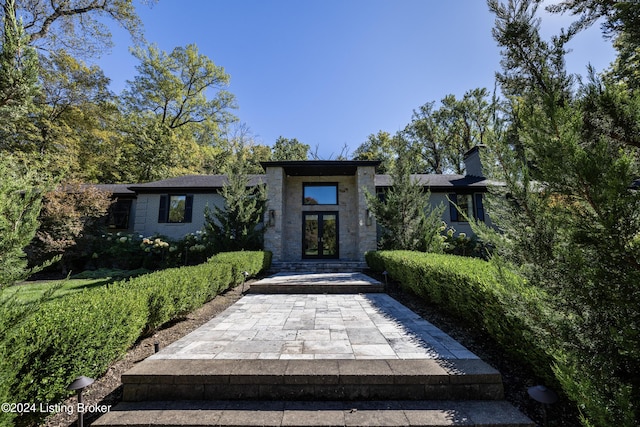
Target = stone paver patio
(341,326)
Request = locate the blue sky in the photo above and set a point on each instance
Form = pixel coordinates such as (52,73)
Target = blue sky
(331,72)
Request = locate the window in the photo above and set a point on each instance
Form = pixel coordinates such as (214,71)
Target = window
(118,215)
(469,204)
(175,208)
(320,193)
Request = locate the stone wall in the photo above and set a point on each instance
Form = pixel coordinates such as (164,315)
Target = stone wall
(283,217)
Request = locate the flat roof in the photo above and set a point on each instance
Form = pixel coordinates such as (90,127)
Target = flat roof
(320,167)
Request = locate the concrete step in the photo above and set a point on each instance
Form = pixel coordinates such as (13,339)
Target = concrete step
(317,283)
(297,413)
(211,379)
(318,266)
(317,288)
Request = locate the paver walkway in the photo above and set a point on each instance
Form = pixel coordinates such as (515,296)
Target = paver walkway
(342,326)
(305,360)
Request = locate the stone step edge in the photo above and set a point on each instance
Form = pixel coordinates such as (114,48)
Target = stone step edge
(183,379)
(334,413)
(322,372)
(301,288)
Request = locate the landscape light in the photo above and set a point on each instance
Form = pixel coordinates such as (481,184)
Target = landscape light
(545,396)
(78,385)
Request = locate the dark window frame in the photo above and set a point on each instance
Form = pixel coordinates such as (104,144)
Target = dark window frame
(477,207)
(119,214)
(306,185)
(164,209)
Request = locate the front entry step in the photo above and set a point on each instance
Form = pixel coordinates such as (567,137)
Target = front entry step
(426,379)
(297,413)
(317,283)
(318,266)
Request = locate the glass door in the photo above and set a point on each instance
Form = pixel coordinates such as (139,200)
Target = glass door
(320,235)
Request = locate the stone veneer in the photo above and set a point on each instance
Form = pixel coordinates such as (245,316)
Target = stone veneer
(283,218)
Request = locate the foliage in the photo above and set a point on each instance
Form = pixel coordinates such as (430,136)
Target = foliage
(405,215)
(76,24)
(20,204)
(81,334)
(436,139)
(620,21)
(238,226)
(71,214)
(570,218)
(18,76)
(514,313)
(289,149)
(171,110)
(243,261)
(463,245)
(380,146)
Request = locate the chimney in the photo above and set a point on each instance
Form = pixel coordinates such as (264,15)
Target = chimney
(472,162)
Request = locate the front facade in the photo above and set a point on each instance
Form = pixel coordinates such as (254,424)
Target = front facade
(315,209)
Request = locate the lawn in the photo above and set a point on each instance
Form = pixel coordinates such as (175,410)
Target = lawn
(30,291)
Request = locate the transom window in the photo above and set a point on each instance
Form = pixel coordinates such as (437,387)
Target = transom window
(320,193)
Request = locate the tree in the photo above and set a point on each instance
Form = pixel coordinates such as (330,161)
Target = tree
(75,25)
(380,146)
(237,226)
(20,204)
(620,22)
(571,219)
(170,109)
(404,213)
(18,76)
(289,149)
(71,215)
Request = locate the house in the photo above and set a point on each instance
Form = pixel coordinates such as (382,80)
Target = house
(316,209)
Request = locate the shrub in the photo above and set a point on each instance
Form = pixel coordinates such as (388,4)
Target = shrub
(480,293)
(252,262)
(66,337)
(81,334)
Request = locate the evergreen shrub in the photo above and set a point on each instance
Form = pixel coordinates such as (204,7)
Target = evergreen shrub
(83,333)
(480,293)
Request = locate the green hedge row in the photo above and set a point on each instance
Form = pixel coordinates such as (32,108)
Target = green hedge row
(482,294)
(82,334)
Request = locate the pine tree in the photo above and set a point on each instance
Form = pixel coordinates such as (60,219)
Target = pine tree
(20,204)
(404,213)
(237,226)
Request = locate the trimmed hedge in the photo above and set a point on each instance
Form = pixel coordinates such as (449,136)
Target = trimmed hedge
(478,292)
(82,334)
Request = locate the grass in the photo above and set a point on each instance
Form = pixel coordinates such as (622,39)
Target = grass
(27,291)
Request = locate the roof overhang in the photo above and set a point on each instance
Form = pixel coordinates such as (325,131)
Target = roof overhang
(320,167)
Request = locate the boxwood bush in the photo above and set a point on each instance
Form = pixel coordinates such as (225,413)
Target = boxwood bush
(482,294)
(83,333)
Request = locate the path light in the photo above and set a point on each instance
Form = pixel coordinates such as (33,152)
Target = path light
(245,274)
(545,396)
(78,385)
(386,284)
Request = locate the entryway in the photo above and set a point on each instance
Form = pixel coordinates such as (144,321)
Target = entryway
(320,235)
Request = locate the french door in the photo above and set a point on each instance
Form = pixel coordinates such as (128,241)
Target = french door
(320,235)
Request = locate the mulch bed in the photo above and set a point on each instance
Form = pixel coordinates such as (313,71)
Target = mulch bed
(107,390)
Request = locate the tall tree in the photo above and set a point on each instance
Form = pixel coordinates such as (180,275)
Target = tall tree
(20,204)
(237,226)
(620,21)
(289,149)
(74,25)
(170,107)
(380,146)
(570,223)
(18,76)
(405,214)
